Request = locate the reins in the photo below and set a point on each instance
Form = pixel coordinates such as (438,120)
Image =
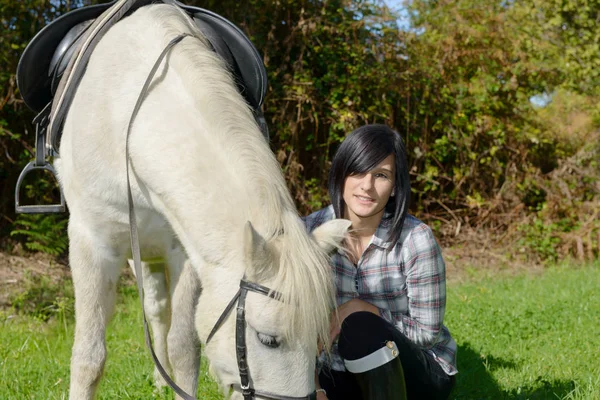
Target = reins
(245,388)
(133,232)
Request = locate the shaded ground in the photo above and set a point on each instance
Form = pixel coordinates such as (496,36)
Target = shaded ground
(18,268)
(467,263)
(466,260)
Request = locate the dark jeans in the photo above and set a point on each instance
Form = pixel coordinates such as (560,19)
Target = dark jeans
(362,334)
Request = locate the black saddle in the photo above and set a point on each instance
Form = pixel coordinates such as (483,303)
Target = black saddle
(47,55)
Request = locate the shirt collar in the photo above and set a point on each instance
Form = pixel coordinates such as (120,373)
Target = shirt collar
(382,233)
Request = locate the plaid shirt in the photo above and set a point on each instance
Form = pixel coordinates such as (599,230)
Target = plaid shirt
(408,285)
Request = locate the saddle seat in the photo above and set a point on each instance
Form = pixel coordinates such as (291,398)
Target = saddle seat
(47,55)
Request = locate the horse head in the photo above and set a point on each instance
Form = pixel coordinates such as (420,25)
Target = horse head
(281,327)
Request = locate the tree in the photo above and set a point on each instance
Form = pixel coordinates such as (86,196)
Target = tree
(457,85)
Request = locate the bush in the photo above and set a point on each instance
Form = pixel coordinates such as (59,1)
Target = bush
(45,233)
(43,298)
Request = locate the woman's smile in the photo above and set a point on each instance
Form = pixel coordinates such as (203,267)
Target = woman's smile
(366,194)
(365,200)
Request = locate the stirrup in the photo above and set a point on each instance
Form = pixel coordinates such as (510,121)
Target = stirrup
(41,123)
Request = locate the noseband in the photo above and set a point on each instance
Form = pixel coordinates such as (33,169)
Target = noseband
(247,391)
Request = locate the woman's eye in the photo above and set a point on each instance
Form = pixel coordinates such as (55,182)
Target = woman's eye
(380,175)
(268,340)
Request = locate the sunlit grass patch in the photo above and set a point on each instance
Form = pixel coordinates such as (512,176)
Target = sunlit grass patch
(525,337)
(529,337)
(35,356)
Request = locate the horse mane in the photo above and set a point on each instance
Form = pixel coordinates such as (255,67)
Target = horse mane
(304,277)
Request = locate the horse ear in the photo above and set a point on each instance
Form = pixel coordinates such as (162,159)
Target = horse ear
(254,244)
(331,234)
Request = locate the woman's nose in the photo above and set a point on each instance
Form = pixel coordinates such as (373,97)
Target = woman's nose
(367,182)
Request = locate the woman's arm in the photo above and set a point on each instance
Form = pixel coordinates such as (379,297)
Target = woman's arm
(426,288)
(321,393)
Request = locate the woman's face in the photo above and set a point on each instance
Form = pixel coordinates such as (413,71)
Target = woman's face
(367,194)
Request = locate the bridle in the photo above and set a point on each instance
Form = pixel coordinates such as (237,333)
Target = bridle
(240,340)
(245,387)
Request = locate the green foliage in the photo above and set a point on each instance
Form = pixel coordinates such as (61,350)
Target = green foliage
(45,233)
(571,27)
(540,239)
(457,85)
(19,22)
(532,195)
(472,110)
(43,298)
(317,197)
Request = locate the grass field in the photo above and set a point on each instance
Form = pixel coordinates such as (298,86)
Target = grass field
(529,337)
(524,337)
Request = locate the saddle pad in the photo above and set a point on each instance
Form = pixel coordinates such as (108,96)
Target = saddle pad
(35,70)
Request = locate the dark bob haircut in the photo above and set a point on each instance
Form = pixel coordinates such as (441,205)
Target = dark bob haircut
(359,153)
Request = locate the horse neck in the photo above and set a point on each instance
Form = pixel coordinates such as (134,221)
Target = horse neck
(249,185)
(218,171)
(239,180)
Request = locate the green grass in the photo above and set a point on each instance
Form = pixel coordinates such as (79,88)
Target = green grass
(529,337)
(34,358)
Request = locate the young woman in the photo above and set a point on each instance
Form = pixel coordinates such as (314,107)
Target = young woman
(389,341)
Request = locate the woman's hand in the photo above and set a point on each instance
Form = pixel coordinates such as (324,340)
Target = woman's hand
(321,393)
(343,311)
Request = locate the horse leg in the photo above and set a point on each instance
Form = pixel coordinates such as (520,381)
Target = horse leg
(183,343)
(157,310)
(95,269)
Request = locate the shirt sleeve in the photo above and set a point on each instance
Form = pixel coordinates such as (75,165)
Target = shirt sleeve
(426,288)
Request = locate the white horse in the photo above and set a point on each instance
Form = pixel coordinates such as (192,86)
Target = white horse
(206,188)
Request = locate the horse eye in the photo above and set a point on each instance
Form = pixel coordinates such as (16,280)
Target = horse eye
(268,340)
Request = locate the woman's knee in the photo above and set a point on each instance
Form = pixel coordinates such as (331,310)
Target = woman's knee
(363,333)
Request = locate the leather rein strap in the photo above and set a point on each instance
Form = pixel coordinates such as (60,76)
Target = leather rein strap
(245,286)
(133,232)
